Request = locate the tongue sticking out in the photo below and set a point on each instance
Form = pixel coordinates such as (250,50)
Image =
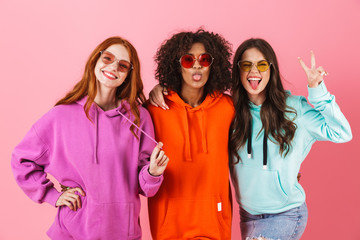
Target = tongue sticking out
(254,83)
(197,77)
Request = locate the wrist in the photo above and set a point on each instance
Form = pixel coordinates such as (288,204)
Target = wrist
(152,174)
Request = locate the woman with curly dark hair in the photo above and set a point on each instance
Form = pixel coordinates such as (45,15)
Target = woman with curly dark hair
(194,199)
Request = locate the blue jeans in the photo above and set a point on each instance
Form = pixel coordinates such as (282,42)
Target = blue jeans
(285,225)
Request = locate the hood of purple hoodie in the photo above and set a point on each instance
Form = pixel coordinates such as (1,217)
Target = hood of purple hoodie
(94,111)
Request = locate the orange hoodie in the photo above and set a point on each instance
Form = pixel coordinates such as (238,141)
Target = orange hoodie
(194,200)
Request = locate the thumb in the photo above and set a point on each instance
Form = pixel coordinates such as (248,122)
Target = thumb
(160,145)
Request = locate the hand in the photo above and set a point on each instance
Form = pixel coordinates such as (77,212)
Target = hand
(70,198)
(156,97)
(314,75)
(158,161)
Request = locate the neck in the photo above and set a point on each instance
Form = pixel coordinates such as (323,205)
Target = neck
(257,99)
(193,97)
(105,98)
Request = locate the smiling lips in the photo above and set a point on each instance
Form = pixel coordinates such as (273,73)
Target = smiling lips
(109,75)
(254,82)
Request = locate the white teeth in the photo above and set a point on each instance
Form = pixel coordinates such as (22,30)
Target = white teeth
(254,79)
(110,75)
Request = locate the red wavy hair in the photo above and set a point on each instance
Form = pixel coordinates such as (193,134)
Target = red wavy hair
(130,90)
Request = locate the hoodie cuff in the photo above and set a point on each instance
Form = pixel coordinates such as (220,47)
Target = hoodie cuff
(318,93)
(52,196)
(150,178)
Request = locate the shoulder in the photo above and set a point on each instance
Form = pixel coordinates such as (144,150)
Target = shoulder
(294,101)
(144,113)
(225,101)
(227,98)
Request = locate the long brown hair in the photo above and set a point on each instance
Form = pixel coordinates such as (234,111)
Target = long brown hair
(131,89)
(273,110)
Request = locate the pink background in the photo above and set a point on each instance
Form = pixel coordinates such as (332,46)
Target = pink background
(44,46)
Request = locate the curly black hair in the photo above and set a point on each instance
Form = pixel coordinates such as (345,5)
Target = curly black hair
(168,70)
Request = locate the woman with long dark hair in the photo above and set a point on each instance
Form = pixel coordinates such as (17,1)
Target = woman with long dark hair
(97,142)
(271,135)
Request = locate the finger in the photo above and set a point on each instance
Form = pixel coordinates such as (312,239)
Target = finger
(303,65)
(159,157)
(160,145)
(76,200)
(73,200)
(156,151)
(79,190)
(160,100)
(165,91)
(69,204)
(157,96)
(153,103)
(151,98)
(165,106)
(163,161)
(313,63)
(322,71)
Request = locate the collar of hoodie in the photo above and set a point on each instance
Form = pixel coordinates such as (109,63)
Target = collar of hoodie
(94,113)
(187,109)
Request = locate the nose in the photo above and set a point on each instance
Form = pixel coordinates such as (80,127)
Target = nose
(114,65)
(254,68)
(197,64)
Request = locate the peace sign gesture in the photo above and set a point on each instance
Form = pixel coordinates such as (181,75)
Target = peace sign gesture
(314,75)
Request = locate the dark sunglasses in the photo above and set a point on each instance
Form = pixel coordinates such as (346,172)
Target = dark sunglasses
(188,60)
(109,58)
(246,66)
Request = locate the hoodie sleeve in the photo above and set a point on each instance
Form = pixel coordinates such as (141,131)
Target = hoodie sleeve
(324,122)
(29,159)
(149,184)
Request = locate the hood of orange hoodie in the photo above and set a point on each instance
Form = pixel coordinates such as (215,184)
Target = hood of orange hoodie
(208,102)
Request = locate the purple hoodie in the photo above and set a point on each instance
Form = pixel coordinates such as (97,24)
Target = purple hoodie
(102,157)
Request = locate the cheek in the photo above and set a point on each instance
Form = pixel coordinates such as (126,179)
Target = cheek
(266,77)
(185,74)
(243,78)
(97,68)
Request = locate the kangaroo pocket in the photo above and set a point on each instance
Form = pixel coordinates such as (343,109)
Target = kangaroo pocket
(260,189)
(102,221)
(187,218)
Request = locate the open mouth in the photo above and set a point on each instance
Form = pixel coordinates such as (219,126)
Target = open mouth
(197,76)
(254,82)
(109,75)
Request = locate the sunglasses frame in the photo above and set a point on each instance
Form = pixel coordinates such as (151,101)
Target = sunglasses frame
(116,60)
(196,59)
(256,65)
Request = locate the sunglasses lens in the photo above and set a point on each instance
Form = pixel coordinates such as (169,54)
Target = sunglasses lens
(263,66)
(187,61)
(205,60)
(107,57)
(124,66)
(245,66)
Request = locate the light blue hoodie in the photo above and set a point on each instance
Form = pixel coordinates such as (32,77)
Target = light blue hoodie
(274,188)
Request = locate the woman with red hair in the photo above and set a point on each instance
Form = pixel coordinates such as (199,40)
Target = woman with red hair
(97,142)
